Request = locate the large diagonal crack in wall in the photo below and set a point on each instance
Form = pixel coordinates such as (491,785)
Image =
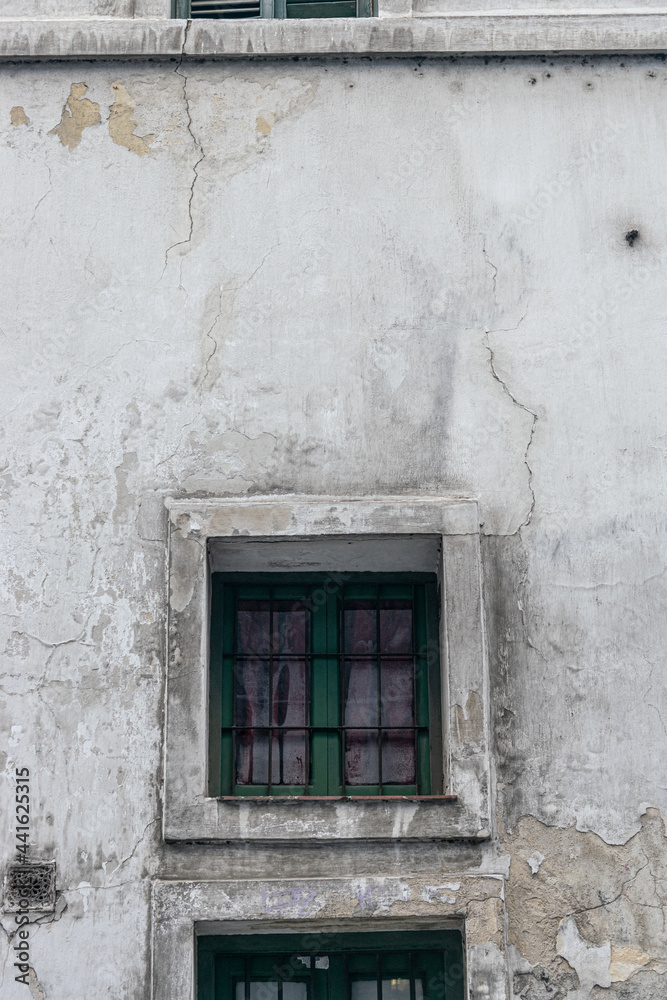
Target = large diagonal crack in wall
(197,145)
(209,336)
(507,390)
(522,406)
(531,510)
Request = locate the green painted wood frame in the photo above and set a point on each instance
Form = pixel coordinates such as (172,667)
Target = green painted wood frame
(433,959)
(324,602)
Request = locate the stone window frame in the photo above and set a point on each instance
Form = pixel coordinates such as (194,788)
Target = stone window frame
(189,813)
(474,903)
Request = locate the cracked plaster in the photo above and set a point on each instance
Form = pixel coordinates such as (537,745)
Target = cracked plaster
(600,907)
(333,321)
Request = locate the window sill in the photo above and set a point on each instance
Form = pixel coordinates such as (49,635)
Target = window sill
(336,798)
(300,818)
(473,32)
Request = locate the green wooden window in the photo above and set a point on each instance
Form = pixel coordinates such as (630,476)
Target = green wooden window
(325,686)
(241,9)
(385,965)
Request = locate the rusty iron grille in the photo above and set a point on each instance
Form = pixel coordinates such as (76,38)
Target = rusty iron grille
(30,887)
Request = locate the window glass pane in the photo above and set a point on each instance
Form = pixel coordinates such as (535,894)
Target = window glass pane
(289,693)
(252,693)
(288,753)
(398,757)
(397,693)
(361,693)
(395,988)
(396,627)
(253,623)
(295,991)
(364,990)
(360,627)
(361,758)
(269,991)
(288,757)
(252,757)
(290,627)
(392,989)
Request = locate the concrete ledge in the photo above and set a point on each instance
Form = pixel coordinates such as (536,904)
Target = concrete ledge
(474,33)
(92,38)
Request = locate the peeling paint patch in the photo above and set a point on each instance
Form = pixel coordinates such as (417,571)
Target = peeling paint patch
(534,861)
(601,904)
(122,125)
(78,113)
(380,898)
(18,116)
(445,893)
(590,963)
(36,991)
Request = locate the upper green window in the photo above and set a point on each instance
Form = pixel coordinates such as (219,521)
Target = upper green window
(385,965)
(324,686)
(237,9)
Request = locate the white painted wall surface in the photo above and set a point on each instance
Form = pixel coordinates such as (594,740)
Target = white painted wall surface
(329,277)
(85,8)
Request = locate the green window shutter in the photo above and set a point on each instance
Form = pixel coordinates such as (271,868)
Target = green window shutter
(217,9)
(241,9)
(328,8)
(321,689)
(404,965)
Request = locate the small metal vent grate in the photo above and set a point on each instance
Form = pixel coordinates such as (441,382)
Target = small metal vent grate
(30,887)
(229,9)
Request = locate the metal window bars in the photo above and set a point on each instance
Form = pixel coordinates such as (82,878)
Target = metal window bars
(370,977)
(260,742)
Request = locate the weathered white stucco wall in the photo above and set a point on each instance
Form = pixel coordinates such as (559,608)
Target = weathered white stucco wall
(87,8)
(340,278)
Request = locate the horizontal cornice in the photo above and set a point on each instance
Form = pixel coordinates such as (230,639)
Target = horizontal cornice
(467,33)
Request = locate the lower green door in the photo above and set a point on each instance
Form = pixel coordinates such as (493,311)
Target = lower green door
(384,965)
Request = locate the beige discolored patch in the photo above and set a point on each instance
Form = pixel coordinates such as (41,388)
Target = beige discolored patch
(122,125)
(469,720)
(78,113)
(18,116)
(265,123)
(625,962)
